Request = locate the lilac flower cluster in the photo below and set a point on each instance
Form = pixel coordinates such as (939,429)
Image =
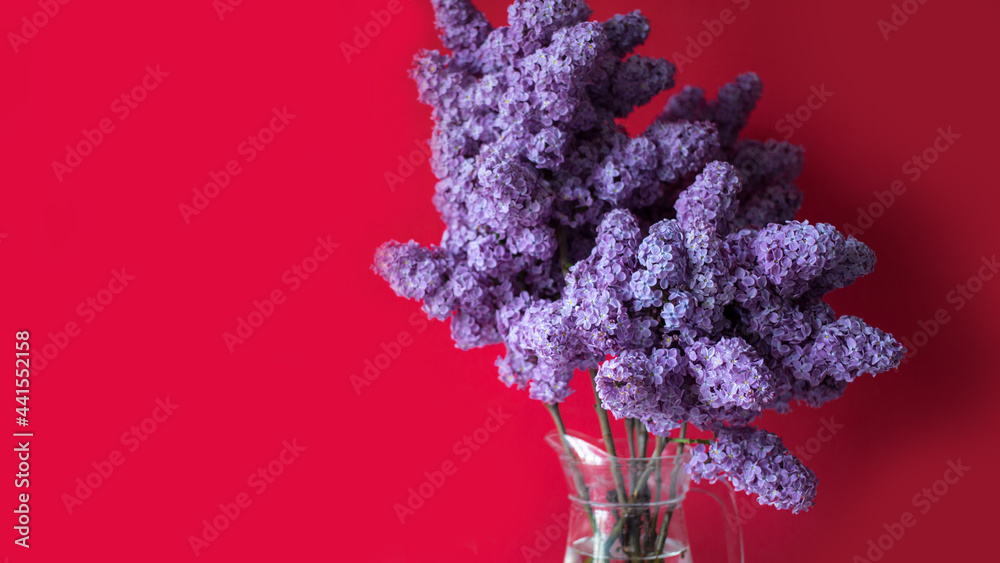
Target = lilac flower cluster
(673,251)
(757,462)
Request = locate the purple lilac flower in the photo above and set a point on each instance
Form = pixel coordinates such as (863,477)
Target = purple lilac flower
(663,255)
(816,395)
(710,203)
(729,373)
(856,260)
(625,32)
(768,171)
(794,254)
(766,163)
(533,23)
(462,27)
(775,203)
(848,348)
(416,272)
(626,386)
(550,384)
(569,238)
(729,111)
(597,287)
(662,408)
(757,462)
(684,147)
(622,85)
(515,369)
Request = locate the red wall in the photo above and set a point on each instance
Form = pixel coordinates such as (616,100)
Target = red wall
(322,175)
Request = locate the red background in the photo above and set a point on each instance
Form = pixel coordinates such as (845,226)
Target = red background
(323,175)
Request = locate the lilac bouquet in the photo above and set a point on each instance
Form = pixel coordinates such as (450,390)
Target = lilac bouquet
(667,264)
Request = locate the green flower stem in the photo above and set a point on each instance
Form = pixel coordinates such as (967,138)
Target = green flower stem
(651,465)
(657,452)
(658,479)
(630,438)
(661,444)
(643,437)
(655,464)
(629,428)
(581,486)
(640,484)
(633,538)
(665,527)
(609,445)
(609,441)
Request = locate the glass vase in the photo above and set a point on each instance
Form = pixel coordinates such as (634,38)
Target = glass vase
(630,509)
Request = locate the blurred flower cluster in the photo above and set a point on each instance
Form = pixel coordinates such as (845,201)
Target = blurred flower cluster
(668,261)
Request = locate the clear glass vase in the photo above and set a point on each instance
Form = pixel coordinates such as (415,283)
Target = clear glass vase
(625,509)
